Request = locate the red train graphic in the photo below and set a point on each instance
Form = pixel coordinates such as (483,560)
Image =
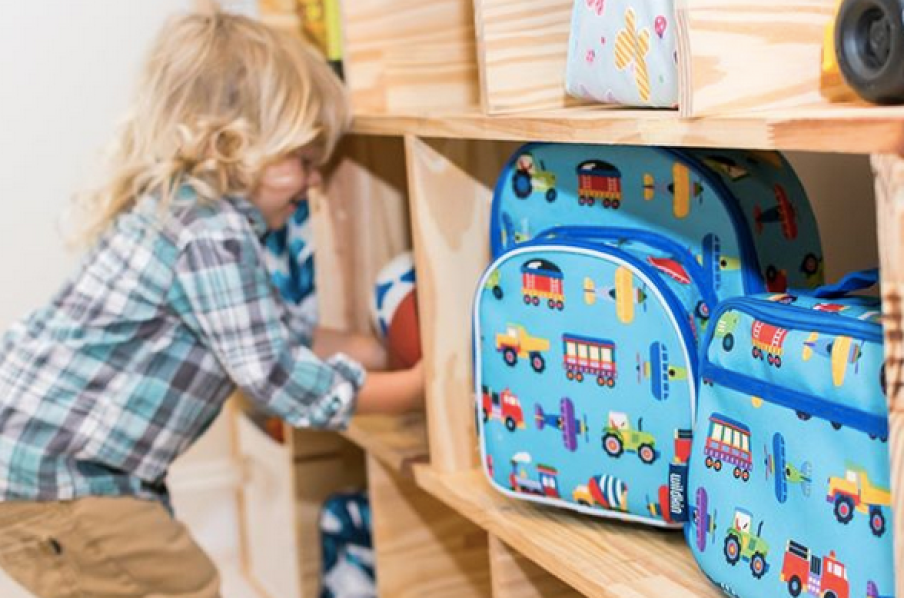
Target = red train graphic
(543,280)
(599,181)
(768,342)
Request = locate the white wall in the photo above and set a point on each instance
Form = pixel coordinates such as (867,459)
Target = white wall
(66,72)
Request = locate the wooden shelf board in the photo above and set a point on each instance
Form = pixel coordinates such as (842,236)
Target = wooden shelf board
(823,127)
(398,442)
(596,557)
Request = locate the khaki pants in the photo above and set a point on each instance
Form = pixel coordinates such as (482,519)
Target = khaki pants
(102,548)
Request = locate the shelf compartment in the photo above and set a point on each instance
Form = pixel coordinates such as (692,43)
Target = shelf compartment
(403,54)
(738,56)
(397,442)
(423,548)
(522,51)
(451,185)
(823,128)
(515,576)
(596,557)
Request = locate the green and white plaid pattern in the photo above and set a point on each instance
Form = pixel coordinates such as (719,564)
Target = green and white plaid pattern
(134,357)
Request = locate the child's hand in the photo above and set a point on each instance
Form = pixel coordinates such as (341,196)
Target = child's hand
(393,392)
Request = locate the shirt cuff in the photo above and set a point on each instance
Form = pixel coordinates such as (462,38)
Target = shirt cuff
(345,392)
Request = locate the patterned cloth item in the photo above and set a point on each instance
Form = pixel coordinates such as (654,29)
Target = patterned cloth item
(132,360)
(789,479)
(623,52)
(348,561)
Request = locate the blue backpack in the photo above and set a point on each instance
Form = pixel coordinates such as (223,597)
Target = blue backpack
(789,477)
(586,325)
(737,211)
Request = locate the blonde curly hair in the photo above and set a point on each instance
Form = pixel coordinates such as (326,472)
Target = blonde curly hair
(221,96)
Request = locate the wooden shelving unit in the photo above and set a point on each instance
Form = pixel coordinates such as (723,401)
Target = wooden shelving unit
(442,92)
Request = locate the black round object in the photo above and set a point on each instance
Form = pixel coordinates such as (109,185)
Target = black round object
(869,46)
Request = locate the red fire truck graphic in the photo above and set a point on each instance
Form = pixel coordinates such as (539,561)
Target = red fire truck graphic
(503,406)
(805,572)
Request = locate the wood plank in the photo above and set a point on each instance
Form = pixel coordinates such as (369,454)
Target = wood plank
(410,54)
(515,576)
(823,128)
(889,170)
(422,547)
(740,56)
(451,186)
(399,442)
(596,557)
(522,53)
(315,481)
(271,554)
(360,222)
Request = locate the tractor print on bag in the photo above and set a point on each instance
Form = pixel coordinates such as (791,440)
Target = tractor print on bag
(604,491)
(504,407)
(768,342)
(528,179)
(545,483)
(728,442)
(618,438)
(517,343)
(783,472)
(685,186)
(742,543)
(725,329)
(623,293)
(804,572)
(591,357)
(599,181)
(541,280)
(855,491)
(659,371)
(567,421)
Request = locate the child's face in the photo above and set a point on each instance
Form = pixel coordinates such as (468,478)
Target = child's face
(284,185)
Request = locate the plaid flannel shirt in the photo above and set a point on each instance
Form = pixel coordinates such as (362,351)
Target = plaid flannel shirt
(132,360)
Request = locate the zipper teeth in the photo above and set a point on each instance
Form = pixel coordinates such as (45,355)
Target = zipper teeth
(654,240)
(825,323)
(801,402)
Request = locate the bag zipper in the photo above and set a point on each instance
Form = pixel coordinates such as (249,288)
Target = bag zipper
(654,240)
(801,319)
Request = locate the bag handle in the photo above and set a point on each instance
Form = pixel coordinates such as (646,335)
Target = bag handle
(854,281)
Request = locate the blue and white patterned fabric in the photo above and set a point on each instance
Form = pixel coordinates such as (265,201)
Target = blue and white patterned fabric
(348,559)
(290,258)
(789,479)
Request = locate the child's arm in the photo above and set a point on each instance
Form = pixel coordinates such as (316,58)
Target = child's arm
(363,348)
(392,392)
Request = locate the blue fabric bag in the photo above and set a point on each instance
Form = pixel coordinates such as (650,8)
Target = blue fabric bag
(789,477)
(740,212)
(585,346)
